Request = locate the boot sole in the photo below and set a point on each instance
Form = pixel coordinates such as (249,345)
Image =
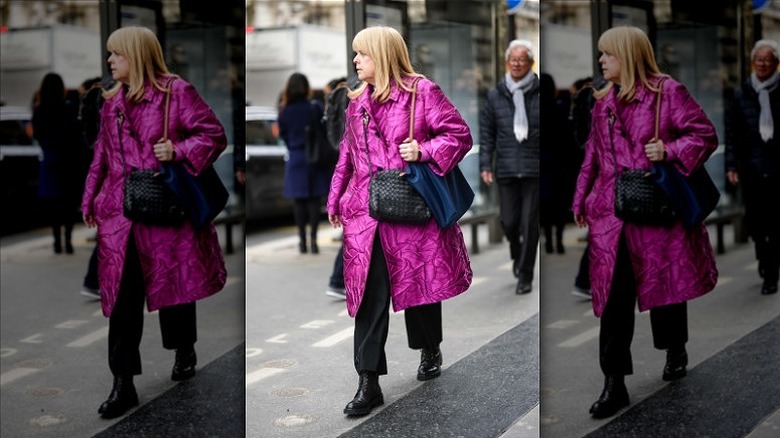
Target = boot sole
(424,377)
(118,412)
(355,412)
(606,413)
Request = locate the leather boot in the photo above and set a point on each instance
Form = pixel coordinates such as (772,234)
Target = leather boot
(676,361)
(184,366)
(368,395)
(430,364)
(612,399)
(314,248)
(122,398)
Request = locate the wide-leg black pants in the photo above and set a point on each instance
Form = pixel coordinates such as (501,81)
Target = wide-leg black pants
(519,200)
(126,323)
(423,323)
(669,324)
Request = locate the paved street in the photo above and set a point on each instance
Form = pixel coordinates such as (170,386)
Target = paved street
(299,353)
(54,368)
(733,383)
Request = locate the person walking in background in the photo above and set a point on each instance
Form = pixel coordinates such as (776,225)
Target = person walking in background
(753,156)
(305,183)
(89,119)
(509,143)
(169,267)
(582,102)
(336,102)
(559,166)
(660,267)
(61,177)
(415,267)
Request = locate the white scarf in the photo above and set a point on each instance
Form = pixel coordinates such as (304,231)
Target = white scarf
(517,89)
(766,125)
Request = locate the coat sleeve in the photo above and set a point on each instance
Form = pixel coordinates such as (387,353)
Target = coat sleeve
(448,138)
(201,137)
(487,135)
(695,138)
(588,171)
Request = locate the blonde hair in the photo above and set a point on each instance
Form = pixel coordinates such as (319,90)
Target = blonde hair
(140,47)
(633,50)
(387,48)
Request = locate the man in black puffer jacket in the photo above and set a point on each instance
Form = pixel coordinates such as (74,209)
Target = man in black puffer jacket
(753,155)
(509,143)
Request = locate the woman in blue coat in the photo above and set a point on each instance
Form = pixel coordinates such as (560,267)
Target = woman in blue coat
(305,183)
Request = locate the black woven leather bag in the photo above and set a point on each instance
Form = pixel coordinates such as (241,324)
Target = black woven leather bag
(148,200)
(393,199)
(638,199)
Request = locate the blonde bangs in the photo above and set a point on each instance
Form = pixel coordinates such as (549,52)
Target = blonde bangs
(140,47)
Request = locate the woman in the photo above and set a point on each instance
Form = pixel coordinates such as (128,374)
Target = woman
(305,183)
(659,267)
(61,177)
(753,155)
(414,266)
(169,266)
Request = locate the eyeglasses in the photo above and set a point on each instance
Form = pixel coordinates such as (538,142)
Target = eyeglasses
(765,61)
(519,61)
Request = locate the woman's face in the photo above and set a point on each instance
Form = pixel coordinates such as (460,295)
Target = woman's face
(120,68)
(364,66)
(610,67)
(764,63)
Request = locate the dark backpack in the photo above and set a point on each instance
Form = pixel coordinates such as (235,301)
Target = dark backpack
(319,151)
(89,114)
(335,114)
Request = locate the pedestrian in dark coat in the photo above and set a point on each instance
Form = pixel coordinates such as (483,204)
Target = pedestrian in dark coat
(509,154)
(305,183)
(61,176)
(753,156)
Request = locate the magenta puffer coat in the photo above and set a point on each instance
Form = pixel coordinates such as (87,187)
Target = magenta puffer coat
(426,264)
(671,265)
(180,264)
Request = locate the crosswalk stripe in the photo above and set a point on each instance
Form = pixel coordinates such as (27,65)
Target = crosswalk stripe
(15,374)
(90,338)
(335,338)
(261,374)
(581,338)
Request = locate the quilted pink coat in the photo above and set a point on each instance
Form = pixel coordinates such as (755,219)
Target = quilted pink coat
(671,265)
(180,264)
(426,264)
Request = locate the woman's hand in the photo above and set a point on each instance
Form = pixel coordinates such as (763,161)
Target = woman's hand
(335,220)
(733,177)
(655,151)
(410,150)
(89,220)
(163,150)
(579,219)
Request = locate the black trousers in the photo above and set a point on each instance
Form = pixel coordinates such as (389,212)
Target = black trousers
(669,324)
(423,323)
(126,323)
(519,199)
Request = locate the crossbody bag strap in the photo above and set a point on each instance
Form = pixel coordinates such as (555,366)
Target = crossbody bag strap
(366,119)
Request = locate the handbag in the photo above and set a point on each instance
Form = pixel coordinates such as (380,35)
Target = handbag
(448,196)
(146,197)
(638,199)
(202,197)
(148,200)
(391,197)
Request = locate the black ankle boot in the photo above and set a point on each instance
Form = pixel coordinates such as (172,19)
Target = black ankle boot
(612,399)
(430,364)
(676,362)
(314,248)
(368,395)
(184,366)
(122,398)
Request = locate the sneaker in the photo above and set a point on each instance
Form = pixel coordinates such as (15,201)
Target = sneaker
(336,292)
(91,292)
(581,293)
